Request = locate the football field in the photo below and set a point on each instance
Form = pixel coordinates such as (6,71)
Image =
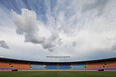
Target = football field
(58,74)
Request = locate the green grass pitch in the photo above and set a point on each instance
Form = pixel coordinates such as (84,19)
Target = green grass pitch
(58,74)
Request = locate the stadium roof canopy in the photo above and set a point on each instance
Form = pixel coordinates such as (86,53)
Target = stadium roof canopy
(40,62)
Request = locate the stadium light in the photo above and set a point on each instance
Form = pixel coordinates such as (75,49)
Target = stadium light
(57,56)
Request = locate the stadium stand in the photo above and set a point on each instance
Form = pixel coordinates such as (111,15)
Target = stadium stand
(21,66)
(78,66)
(51,66)
(5,65)
(37,67)
(110,66)
(94,65)
(64,66)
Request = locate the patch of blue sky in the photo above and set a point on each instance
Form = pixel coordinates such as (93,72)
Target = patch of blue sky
(8,5)
(53,4)
(39,7)
(36,5)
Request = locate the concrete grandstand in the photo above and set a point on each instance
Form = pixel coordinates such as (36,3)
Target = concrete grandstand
(21,65)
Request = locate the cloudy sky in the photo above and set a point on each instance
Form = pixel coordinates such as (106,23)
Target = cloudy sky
(81,29)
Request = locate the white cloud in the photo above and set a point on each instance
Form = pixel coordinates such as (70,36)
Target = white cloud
(96,5)
(28,26)
(81,29)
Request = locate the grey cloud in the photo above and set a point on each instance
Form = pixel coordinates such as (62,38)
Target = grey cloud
(50,42)
(54,35)
(97,5)
(84,28)
(3,44)
(114,46)
(47,44)
(27,25)
(74,43)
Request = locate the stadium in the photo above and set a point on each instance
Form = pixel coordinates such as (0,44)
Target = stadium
(57,38)
(21,65)
(54,67)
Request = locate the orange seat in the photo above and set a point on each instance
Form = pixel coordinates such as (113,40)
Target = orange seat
(4,65)
(94,65)
(111,65)
(20,66)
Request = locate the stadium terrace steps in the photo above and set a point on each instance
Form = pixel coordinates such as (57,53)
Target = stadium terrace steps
(111,65)
(94,65)
(78,66)
(14,65)
(51,66)
(88,66)
(37,66)
(20,66)
(105,65)
(64,66)
(5,65)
